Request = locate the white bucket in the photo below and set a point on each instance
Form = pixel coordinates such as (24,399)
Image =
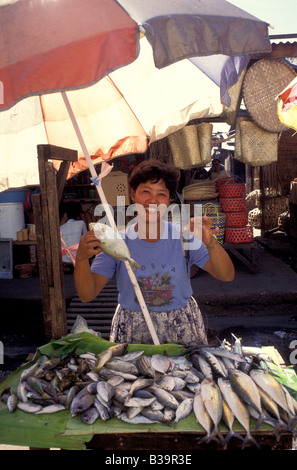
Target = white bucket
(12,219)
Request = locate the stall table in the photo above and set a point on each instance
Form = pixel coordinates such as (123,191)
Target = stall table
(238,250)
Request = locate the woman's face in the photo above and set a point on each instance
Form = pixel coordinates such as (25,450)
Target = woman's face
(153,200)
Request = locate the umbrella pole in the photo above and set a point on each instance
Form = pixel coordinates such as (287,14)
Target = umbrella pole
(111,220)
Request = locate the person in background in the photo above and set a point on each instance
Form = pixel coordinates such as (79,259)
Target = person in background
(217,170)
(199,174)
(163,276)
(72,227)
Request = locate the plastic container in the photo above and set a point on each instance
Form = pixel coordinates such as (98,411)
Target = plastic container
(13,195)
(12,219)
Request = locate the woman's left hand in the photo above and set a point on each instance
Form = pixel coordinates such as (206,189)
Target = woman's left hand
(201,228)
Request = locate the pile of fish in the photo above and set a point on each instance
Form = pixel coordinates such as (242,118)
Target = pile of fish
(217,383)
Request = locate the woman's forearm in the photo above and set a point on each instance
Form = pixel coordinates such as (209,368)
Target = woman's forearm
(220,264)
(84,280)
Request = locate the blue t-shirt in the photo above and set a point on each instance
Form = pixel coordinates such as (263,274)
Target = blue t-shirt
(162,278)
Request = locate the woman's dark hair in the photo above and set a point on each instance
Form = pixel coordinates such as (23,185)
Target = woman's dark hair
(153,171)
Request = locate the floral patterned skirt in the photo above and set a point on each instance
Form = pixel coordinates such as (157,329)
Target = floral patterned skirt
(183,326)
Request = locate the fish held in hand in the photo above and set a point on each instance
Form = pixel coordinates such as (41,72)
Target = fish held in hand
(113,244)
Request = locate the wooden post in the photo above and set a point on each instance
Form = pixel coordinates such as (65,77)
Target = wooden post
(47,225)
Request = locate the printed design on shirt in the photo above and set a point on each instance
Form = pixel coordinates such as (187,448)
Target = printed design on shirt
(156,289)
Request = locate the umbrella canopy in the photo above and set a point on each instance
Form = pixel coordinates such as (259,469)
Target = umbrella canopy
(126,90)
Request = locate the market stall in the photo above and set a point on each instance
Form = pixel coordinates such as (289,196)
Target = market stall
(31,423)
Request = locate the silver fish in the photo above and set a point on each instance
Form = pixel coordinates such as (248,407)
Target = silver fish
(21,392)
(133,411)
(204,367)
(271,386)
(113,244)
(81,402)
(181,363)
(246,388)
(29,407)
(51,409)
(161,363)
(115,380)
(202,417)
(238,408)
(102,410)
(164,397)
(122,366)
(184,409)
(154,415)
(107,373)
(134,401)
(168,383)
(29,371)
(130,357)
(90,415)
(12,403)
(212,399)
(169,414)
(102,359)
(228,418)
(215,363)
(157,406)
(70,395)
(139,419)
(143,364)
(139,384)
(105,390)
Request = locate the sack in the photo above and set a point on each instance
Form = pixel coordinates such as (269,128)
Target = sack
(254,145)
(191,146)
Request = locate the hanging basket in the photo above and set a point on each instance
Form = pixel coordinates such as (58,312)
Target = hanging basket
(218,220)
(230,189)
(239,235)
(236,219)
(233,205)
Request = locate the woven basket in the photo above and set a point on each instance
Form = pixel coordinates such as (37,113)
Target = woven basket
(200,191)
(231,190)
(191,146)
(211,207)
(218,220)
(236,219)
(255,217)
(239,235)
(262,83)
(223,180)
(274,206)
(254,145)
(233,205)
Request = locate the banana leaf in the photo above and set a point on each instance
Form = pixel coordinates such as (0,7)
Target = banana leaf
(58,430)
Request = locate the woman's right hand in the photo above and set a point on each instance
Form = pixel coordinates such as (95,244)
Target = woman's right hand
(89,246)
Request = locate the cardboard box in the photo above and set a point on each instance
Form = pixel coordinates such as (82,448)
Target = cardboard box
(116,184)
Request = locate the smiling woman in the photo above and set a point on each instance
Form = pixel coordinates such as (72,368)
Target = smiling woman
(163,272)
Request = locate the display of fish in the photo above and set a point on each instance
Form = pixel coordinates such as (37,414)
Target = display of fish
(113,244)
(221,386)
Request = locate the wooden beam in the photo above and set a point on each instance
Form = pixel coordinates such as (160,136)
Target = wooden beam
(46,213)
(52,152)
